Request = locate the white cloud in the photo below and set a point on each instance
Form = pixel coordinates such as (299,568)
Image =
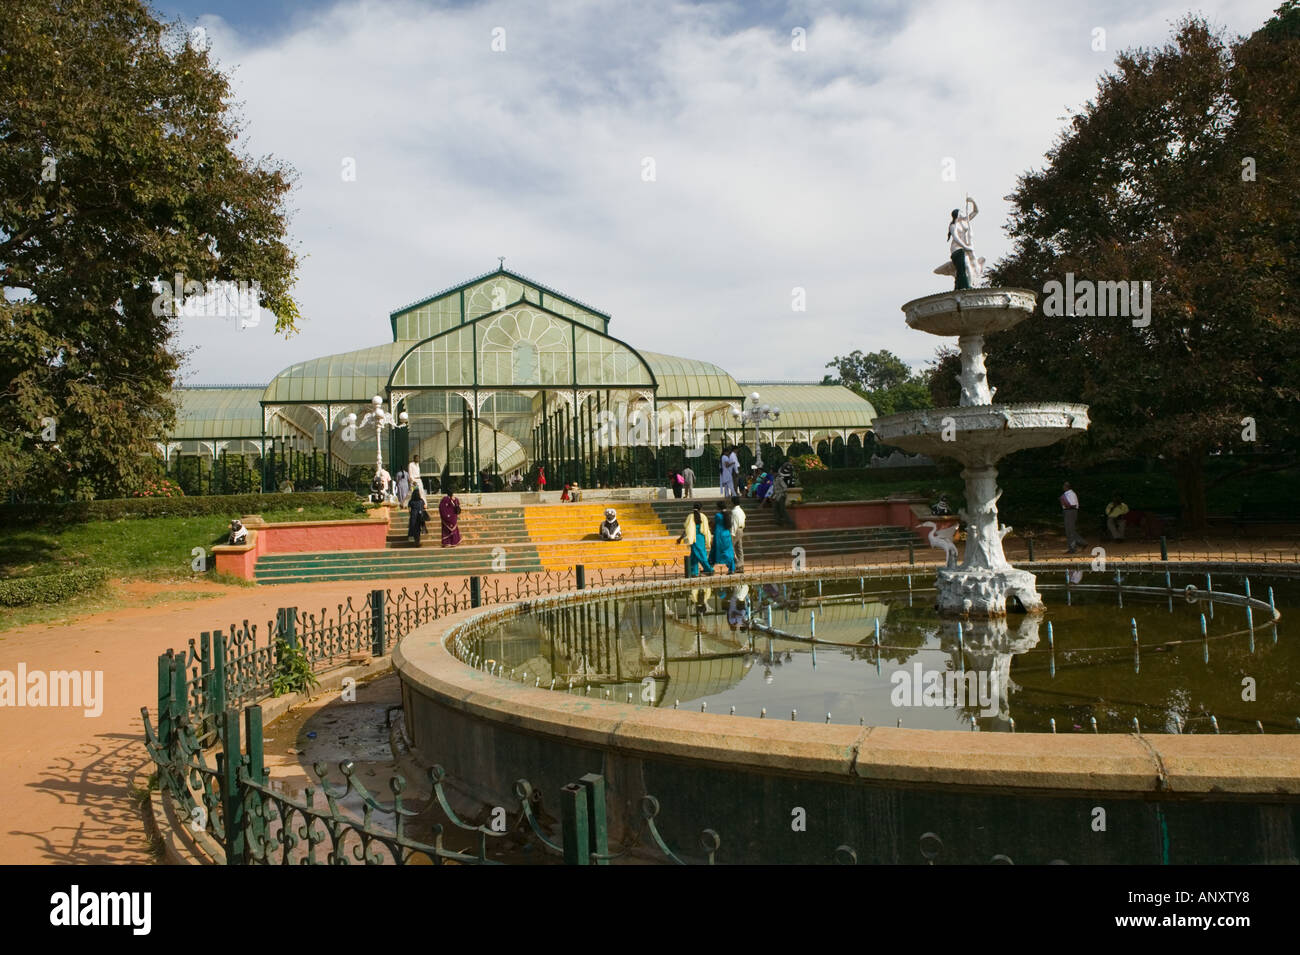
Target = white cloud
(776,168)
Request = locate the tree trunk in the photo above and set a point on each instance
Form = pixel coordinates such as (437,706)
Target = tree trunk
(1189,472)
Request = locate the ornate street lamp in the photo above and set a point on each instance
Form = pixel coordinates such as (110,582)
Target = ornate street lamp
(379,417)
(755,413)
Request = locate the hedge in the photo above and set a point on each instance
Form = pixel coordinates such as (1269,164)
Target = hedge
(112,509)
(867,475)
(50,588)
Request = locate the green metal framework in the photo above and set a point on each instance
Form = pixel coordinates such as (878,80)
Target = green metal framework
(536,370)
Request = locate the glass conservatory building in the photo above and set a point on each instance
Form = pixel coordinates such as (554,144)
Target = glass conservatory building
(493,376)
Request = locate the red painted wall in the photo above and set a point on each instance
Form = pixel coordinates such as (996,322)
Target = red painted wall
(300,537)
(823,514)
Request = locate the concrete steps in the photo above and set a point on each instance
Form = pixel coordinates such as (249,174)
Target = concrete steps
(556,537)
(425,561)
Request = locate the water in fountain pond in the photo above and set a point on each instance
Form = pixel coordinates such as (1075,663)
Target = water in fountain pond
(931,672)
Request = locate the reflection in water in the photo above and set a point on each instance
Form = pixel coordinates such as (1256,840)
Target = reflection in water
(873,651)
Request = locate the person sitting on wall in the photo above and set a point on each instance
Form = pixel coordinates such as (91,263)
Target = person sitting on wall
(783,480)
(1116,512)
(238,532)
(941,507)
(379,487)
(609,529)
(564,494)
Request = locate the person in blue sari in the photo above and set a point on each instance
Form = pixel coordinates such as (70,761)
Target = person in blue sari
(695,532)
(722,551)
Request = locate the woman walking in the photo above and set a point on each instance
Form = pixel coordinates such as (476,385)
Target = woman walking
(695,532)
(419,518)
(722,552)
(449,512)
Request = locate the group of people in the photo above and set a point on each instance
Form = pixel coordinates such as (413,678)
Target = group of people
(407,490)
(721,543)
(767,487)
(448,516)
(385,487)
(1117,515)
(682,481)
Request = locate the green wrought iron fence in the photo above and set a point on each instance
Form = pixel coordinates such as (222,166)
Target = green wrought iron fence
(220,787)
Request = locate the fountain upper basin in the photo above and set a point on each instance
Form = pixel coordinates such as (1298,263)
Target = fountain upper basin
(976,311)
(981,432)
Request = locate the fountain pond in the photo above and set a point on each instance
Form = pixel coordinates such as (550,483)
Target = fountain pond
(1114,651)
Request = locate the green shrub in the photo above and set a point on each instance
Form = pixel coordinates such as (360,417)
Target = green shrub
(227,505)
(292,670)
(50,588)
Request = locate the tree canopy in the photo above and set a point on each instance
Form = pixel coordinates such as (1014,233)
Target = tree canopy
(882,378)
(1183,172)
(117,171)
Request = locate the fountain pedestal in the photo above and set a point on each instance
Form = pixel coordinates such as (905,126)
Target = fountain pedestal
(979,433)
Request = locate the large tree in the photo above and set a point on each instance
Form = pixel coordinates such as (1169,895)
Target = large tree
(1184,172)
(117,171)
(882,378)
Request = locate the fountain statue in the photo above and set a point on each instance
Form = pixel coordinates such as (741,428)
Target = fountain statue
(978,433)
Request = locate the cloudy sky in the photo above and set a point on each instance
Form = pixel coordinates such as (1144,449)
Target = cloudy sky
(774,168)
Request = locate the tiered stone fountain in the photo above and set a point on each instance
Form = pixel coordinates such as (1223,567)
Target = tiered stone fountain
(979,433)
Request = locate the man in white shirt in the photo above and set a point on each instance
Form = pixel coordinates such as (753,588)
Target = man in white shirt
(688,476)
(738,532)
(413,472)
(729,466)
(1070,511)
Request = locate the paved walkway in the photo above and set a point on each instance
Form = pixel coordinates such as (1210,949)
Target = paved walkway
(67,777)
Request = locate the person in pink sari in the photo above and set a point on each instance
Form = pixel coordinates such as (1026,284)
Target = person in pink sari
(449,512)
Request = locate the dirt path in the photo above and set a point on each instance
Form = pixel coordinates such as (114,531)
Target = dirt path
(67,776)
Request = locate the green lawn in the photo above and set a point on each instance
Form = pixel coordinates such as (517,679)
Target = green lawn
(316,512)
(157,547)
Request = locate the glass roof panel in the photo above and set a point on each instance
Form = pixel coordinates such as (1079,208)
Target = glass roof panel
(814,406)
(217,413)
(352,376)
(690,377)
